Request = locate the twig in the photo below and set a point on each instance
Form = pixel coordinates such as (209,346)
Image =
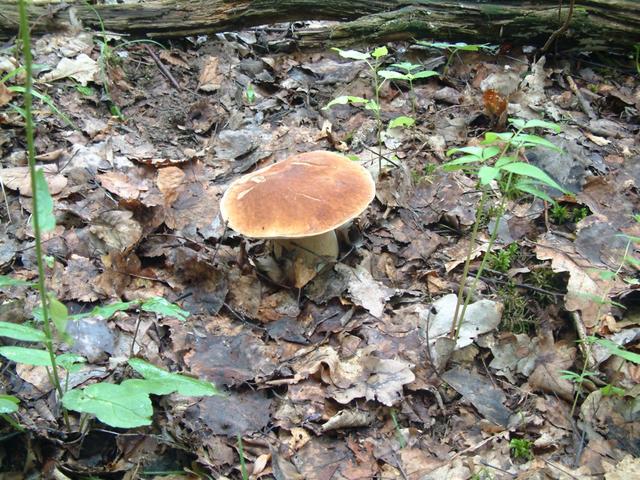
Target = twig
(6,201)
(562,29)
(165,71)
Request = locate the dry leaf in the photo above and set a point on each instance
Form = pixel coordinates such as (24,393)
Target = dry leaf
(209,80)
(17,178)
(83,69)
(117,229)
(169,182)
(120,184)
(364,290)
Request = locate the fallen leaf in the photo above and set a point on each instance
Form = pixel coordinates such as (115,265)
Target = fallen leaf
(118,230)
(364,290)
(17,178)
(170,181)
(209,79)
(83,69)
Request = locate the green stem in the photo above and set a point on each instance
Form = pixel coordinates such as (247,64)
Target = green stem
(7,418)
(28,99)
(243,465)
(455,325)
(485,257)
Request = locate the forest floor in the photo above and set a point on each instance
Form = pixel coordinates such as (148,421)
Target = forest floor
(350,377)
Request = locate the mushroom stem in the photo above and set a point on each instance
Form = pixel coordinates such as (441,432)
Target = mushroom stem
(317,248)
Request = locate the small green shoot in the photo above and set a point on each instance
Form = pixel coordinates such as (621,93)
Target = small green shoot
(521,448)
(243,465)
(410,73)
(394,417)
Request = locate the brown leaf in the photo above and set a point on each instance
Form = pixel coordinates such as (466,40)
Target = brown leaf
(17,178)
(121,184)
(585,288)
(169,182)
(553,357)
(118,230)
(209,79)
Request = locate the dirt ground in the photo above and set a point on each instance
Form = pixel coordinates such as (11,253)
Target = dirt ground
(344,378)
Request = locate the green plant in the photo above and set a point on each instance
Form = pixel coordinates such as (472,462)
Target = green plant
(521,448)
(559,214)
(636,48)
(374,61)
(497,160)
(394,418)
(243,465)
(123,405)
(411,73)
(517,316)
(502,259)
(454,48)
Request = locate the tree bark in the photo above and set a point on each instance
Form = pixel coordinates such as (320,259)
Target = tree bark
(595,24)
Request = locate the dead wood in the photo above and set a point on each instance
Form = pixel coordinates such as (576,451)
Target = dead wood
(594,25)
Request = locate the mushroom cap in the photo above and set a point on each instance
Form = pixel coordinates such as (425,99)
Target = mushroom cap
(306,194)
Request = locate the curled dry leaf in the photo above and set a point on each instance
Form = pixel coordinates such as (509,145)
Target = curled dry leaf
(547,375)
(17,178)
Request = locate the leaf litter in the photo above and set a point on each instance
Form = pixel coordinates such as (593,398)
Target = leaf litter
(354,376)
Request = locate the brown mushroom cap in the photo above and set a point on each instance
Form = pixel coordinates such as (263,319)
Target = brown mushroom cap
(307,194)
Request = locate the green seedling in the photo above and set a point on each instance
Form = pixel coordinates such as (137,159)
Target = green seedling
(502,259)
(521,448)
(497,160)
(243,464)
(410,73)
(401,440)
(374,60)
(517,316)
(453,48)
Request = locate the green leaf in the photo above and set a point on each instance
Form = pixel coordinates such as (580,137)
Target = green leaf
(372,105)
(70,361)
(406,66)
(531,171)
(7,281)
(352,54)
(163,307)
(8,404)
(526,140)
(491,137)
(502,161)
(179,383)
(424,74)
(477,151)
(530,188)
(522,125)
(402,121)
(615,349)
(120,406)
(58,313)
(459,162)
(487,174)
(28,356)
(391,75)
(344,99)
(21,332)
(45,203)
(379,52)
(106,311)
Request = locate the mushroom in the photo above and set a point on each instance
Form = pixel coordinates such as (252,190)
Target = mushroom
(299,203)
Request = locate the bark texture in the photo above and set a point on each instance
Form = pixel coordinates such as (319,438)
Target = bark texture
(595,25)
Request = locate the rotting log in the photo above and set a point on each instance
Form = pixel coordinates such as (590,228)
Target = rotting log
(595,25)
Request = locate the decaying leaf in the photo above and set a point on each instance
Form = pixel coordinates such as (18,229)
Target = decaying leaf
(117,229)
(364,290)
